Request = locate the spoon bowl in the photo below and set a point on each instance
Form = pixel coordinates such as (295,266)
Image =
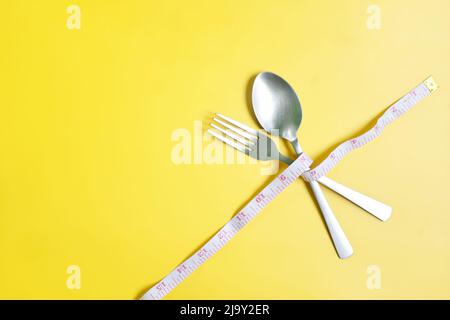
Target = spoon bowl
(276,105)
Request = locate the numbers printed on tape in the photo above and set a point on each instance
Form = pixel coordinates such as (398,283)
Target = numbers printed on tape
(260,197)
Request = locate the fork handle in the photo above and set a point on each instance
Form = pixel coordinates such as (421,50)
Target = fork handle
(374,207)
(341,243)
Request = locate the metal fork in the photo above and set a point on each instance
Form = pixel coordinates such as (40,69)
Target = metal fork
(260,146)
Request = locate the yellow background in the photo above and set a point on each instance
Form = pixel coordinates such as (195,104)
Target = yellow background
(86,118)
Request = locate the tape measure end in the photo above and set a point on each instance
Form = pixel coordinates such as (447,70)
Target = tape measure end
(431,84)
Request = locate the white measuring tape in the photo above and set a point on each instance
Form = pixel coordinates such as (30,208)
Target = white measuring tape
(298,168)
(393,113)
(232,227)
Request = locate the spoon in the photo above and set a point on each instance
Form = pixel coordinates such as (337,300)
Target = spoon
(277,107)
(279,112)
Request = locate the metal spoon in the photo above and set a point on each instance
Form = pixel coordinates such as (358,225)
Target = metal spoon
(277,107)
(278,110)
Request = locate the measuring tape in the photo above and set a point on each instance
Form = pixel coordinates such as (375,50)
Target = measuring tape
(390,115)
(298,168)
(218,241)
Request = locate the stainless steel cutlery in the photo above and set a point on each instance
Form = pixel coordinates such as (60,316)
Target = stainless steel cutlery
(278,110)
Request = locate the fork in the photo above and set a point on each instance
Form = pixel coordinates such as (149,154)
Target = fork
(255,144)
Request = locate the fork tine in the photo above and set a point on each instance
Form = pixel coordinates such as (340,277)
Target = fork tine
(229,142)
(232,128)
(245,142)
(238,124)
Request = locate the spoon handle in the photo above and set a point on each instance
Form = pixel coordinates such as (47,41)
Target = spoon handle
(374,207)
(343,247)
(341,243)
